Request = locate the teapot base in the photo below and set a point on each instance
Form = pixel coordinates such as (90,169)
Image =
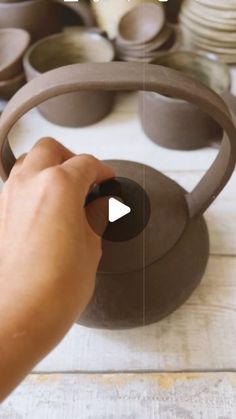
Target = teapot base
(147,296)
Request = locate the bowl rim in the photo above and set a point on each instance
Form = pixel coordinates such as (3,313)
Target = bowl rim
(84,32)
(207,57)
(5,66)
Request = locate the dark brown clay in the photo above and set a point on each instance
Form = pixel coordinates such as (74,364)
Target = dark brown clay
(178,124)
(141,24)
(132,290)
(13,44)
(75,109)
(145,291)
(9,87)
(40,17)
(172,8)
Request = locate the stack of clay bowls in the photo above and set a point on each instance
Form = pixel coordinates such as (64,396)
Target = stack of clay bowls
(109,12)
(143,32)
(13,44)
(210,25)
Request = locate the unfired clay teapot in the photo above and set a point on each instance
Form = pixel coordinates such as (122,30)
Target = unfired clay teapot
(144,279)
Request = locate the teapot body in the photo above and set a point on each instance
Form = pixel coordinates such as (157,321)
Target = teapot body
(136,284)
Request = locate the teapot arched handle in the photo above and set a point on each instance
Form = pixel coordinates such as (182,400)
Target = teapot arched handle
(129,76)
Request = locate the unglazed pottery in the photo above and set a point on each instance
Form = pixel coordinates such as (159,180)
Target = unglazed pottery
(210,26)
(153,45)
(40,17)
(74,109)
(109,12)
(141,24)
(9,87)
(13,44)
(143,33)
(178,124)
(167,40)
(144,279)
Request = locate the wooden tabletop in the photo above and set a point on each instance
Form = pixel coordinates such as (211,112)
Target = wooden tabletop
(183,367)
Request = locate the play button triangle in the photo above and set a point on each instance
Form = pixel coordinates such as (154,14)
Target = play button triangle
(117,210)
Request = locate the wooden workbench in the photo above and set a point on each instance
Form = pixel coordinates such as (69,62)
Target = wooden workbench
(183,367)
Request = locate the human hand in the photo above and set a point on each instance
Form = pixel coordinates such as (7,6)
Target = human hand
(48,252)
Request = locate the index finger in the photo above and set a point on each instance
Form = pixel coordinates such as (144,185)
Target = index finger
(87,170)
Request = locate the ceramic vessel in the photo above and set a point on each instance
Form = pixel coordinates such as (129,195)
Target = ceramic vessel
(75,109)
(132,290)
(210,26)
(167,40)
(13,44)
(109,13)
(40,17)
(178,124)
(141,24)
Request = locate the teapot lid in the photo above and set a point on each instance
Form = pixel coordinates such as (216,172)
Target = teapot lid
(169,216)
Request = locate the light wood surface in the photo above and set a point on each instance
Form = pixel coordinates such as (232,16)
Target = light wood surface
(126,396)
(183,367)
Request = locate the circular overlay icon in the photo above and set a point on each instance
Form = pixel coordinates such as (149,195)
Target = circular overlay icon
(122,207)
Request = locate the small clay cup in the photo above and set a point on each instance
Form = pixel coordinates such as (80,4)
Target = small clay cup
(75,109)
(13,44)
(9,87)
(141,24)
(40,17)
(175,123)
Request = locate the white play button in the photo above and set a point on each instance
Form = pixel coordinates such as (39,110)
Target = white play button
(117,210)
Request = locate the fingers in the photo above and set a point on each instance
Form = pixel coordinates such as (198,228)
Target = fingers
(87,171)
(47,152)
(97,215)
(18,165)
(84,169)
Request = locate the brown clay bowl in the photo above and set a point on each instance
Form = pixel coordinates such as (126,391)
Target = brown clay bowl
(153,45)
(13,44)
(148,53)
(141,24)
(209,71)
(9,87)
(40,17)
(72,47)
(175,123)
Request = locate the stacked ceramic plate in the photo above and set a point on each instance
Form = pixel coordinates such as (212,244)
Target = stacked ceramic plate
(210,25)
(142,32)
